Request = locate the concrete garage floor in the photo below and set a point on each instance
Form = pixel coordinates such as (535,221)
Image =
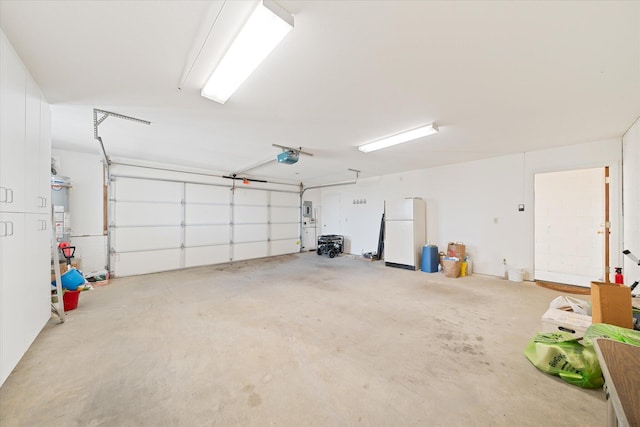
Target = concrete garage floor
(297,340)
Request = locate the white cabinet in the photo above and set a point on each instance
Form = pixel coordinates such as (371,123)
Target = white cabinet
(25,150)
(36,148)
(405,232)
(11,278)
(12,129)
(36,302)
(25,300)
(43,187)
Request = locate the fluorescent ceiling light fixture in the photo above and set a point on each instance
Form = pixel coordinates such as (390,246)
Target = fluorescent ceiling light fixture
(265,28)
(409,135)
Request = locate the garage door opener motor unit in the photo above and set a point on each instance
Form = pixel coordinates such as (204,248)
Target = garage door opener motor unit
(288,157)
(332,244)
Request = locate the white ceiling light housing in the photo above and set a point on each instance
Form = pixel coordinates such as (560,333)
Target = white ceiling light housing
(409,135)
(265,28)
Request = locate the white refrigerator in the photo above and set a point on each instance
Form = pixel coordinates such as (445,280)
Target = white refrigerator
(405,232)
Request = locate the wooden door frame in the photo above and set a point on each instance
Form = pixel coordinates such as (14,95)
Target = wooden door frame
(607,225)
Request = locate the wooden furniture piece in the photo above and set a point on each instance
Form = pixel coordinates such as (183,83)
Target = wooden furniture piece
(620,365)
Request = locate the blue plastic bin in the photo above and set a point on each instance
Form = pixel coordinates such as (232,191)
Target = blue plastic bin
(430,259)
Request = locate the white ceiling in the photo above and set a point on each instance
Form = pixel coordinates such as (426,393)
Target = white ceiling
(497,77)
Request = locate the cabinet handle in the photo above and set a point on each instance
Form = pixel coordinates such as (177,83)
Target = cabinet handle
(3,233)
(10,192)
(44,202)
(8,229)
(44,225)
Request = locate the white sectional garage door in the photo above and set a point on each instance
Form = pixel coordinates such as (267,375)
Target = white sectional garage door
(158,225)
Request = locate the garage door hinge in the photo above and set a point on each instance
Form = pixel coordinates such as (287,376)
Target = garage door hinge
(607,224)
(607,180)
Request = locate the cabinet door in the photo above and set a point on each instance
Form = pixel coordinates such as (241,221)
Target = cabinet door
(12,129)
(36,303)
(11,280)
(44,167)
(33,198)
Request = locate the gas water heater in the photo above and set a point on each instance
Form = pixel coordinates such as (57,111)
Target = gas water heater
(60,186)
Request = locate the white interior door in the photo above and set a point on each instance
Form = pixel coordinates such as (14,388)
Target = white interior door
(569,226)
(331,206)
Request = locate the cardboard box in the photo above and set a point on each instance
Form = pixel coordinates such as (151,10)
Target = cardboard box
(611,304)
(555,320)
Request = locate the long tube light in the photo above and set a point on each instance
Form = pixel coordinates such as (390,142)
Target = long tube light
(265,28)
(409,135)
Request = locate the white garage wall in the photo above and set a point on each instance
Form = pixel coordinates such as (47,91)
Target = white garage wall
(631,196)
(476,203)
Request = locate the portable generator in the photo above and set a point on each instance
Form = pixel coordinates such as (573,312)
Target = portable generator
(332,244)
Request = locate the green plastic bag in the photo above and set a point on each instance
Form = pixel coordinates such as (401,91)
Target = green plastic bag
(561,354)
(616,333)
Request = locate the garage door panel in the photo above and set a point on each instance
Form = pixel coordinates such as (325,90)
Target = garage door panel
(145,238)
(285,231)
(285,199)
(129,214)
(207,214)
(281,247)
(285,214)
(198,193)
(251,214)
(250,250)
(132,263)
(207,235)
(250,197)
(250,233)
(147,190)
(206,255)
